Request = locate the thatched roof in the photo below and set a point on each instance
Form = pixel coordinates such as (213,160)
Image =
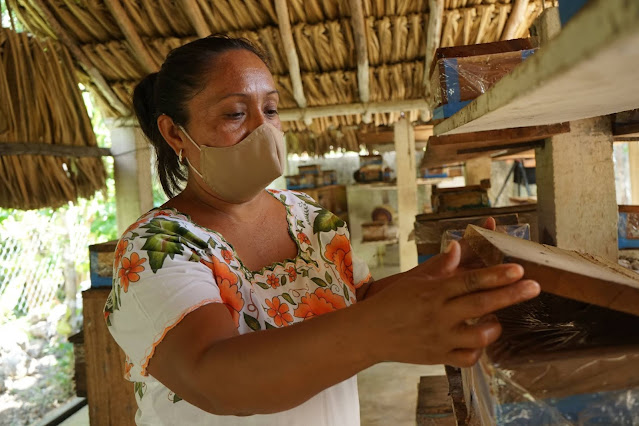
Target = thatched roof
(339,52)
(48,151)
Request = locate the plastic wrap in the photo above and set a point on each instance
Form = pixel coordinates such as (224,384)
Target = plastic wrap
(458,80)
(628,227)
(521,230)
(558,362)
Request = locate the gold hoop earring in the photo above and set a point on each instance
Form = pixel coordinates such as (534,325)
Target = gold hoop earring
(180,156)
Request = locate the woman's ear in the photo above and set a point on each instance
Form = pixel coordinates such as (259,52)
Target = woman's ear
(170,132)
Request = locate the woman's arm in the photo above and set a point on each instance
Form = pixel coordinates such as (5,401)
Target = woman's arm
(205,362)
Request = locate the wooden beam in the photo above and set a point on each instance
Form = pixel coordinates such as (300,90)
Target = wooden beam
(486,138)
(406,191)
(7,148)
(359,36)
(196,18)
(96,77)
(380,137)
(298,114)
(433,38)
(132,37)
(286,34)
(516,18)
(633,160)
(568,79)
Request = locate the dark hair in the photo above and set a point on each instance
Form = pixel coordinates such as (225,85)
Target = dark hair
(167,91)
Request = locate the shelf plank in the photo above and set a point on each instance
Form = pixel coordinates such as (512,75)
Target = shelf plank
(588,70)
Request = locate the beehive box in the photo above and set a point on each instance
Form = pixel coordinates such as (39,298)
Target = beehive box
(101,257)
(569,356)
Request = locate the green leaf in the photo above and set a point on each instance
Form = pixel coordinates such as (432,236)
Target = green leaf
(194,258)
(252,322)
(320,282)
(305,272)
(156,260)
(300,223)
(283,280)
(172,228)
(134,235)
(283,197)
(328,278)
(308,200)
(176,398)
(139,388)
(348,297)
(288,298)
(326,221)
(163,243)
(269,326)
(263,285)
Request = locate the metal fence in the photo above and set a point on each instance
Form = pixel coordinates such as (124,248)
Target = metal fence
(40,254)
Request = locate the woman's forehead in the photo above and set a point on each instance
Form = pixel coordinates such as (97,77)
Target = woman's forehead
(238,71)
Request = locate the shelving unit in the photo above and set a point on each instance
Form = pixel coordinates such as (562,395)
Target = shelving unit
(588,70)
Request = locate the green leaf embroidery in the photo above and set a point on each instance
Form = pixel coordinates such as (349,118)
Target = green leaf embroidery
(300,223)
(194,258)
(263,285)
(252,322)
(328,278)
(348,298)
(283,280)
(138,387)
(176,398)
(283,198)
(326,221)
(288,298)
(320,282)
(134,235)
(305,272)
(156,259)
(268,326)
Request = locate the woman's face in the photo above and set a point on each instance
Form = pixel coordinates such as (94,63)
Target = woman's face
(238,97)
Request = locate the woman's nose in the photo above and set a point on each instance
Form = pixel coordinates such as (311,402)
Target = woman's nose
(257,119)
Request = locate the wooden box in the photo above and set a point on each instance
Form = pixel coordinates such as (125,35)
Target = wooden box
(430,227)
(332,198)
(454,199)
(296,182)
(310,169)
(628,227)
(462,73)
(570,356)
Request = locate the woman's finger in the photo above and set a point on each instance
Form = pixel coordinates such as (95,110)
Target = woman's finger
(463,357)
(483,279)
(478,304)
(477,335)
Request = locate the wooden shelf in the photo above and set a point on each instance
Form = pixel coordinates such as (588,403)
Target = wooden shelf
(588,70)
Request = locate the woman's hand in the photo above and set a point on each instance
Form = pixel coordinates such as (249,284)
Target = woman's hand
(432,320)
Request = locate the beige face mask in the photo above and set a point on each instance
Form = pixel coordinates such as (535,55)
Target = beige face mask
(239,172)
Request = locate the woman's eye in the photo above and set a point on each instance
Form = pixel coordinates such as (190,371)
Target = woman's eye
(271,112)
(235,115)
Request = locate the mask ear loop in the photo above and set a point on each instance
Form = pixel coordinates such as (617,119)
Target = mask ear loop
(180,156)
(196,145)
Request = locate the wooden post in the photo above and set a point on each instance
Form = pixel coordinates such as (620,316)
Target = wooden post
(132,170)
(406,191)
(477,170)
(633,159)
(577,205)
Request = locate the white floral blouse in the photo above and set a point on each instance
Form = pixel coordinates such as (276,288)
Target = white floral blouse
(166,266)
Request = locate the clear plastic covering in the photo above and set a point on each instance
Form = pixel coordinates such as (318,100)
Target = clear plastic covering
(520,231)
(461,79)
(558,362)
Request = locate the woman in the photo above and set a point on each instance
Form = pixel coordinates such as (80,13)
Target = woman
(234,301)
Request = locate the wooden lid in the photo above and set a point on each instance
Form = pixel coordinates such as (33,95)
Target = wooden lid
(565,273)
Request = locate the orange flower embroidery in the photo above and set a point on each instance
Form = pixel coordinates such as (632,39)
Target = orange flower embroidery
(227,255)
(318,303)
(279,312)
(130,269)
(303,238)
(292,273)
(120,250)
(339,252)
(106,315)
(273,281)
(227,283)
(127,369)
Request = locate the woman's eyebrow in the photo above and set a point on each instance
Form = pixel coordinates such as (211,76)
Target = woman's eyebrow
(244,95)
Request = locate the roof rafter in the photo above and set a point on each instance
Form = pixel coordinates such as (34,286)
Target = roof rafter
(99,81)
(286,34)
(132,37)
(359,36)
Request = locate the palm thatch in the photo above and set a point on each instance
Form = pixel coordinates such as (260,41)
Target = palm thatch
(123,40)
(42,108)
